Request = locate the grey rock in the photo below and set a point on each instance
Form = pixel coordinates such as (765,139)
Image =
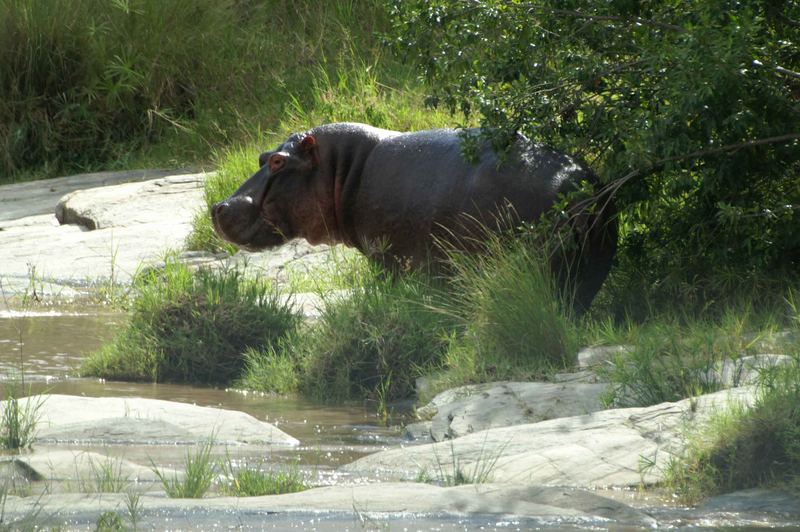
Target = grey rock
(473,408)
(420,431)
(68,419)
(744,370)
(356,503)
(77,466)
(754,500)
(605,448)
(599,354)
(20,200)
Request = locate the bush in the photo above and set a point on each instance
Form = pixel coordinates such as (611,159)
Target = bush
(374,342)
(674,358)
(90,83)
(688,110)
(193,327)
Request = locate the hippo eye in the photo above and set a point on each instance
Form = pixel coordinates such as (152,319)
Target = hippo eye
(276,162)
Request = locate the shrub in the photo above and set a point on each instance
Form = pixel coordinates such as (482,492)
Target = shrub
(376,341)
(193,327)
(245,481)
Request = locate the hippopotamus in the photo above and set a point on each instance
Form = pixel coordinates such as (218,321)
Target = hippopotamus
(393,195)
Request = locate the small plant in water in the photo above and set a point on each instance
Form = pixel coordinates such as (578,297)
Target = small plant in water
(246,481)
(200,472)
(456,473)
(18,419)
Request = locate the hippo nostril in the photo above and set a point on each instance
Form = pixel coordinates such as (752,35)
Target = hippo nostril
(217,208)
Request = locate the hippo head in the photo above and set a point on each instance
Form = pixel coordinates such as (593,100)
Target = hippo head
(284,199)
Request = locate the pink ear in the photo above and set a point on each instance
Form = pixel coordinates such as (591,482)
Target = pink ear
(309,144)
(276,162)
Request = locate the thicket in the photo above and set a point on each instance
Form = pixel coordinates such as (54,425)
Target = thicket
(689,111)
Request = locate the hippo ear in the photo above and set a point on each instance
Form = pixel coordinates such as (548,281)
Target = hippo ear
(276,162)
(263,158)
(309,145)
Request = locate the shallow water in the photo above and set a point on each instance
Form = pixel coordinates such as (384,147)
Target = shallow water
(48,346)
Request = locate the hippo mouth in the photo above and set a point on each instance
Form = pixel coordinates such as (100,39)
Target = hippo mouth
(239,221)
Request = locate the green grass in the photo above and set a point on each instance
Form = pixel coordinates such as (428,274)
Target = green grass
(374,342)
(200,471)
(248,481)
(745,447)
(193,327)
(17,420)
(673,358)
(515,325)
(89,84)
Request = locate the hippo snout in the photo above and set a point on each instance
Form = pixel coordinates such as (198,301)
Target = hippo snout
(238,220)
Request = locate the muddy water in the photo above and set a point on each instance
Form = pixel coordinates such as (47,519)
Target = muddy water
(49,345)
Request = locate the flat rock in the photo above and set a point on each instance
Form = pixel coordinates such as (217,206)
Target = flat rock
(106,229)
(746,370)
(602,449)
(20,200)
(408,502)
(80,467)
(473,408)
(130,420)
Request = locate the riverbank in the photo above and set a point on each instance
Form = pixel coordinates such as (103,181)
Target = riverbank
(529,454)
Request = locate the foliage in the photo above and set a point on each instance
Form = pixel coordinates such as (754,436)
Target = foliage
(193,326)
(688,109)
(271,370)
(746,447)
(671,359)
(375,341)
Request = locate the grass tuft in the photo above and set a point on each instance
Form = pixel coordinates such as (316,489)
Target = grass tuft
(245,481)
(198,476)
(18,421)
(376,341)
(515,324)
(193,327)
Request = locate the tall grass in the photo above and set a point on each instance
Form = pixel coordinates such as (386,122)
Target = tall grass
(91,83)
(745,447)
(516,324)
(680,356)
(18,421)
(200,471)
(376,341)
(193,326)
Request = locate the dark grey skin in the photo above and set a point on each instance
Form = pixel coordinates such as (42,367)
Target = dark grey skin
(393,195)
